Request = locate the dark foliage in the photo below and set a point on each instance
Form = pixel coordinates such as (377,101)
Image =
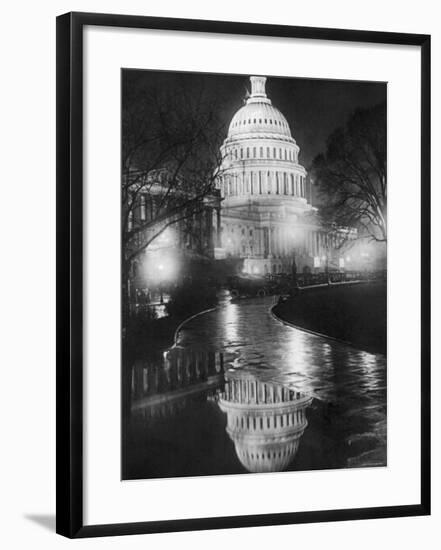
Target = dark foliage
(189,299)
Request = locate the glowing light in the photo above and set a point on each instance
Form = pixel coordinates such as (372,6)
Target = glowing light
(255,269)
(348,258)
(160,267)
(230,324)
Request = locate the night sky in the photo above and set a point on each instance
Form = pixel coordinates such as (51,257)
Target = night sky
(312,107)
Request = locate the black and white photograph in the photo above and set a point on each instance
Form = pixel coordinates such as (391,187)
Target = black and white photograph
(221,256)
(253,274)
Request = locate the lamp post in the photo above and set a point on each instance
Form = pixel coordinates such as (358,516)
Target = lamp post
(311,183)
(161,293)
(328,234)
(294,272)
(327,264)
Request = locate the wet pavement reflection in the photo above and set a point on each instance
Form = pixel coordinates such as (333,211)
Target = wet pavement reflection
(242,392)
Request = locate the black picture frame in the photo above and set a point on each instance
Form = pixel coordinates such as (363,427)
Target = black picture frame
(69,223)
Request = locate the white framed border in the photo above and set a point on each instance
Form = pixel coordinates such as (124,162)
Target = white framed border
(106,498)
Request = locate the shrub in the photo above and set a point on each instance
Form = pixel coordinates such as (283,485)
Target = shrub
(188,299)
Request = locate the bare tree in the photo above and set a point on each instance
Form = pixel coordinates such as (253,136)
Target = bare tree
(352,174)
(170,157)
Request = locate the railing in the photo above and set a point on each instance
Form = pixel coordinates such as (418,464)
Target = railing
(312,279)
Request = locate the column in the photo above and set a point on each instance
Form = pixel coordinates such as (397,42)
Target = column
(218,227)
(269,241)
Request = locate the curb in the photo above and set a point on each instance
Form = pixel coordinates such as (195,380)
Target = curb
(314,333)
(182,323)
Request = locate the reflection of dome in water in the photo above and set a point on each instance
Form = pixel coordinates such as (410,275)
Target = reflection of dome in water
(265,422)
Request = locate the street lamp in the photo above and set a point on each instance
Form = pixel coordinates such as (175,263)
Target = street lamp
(161,293)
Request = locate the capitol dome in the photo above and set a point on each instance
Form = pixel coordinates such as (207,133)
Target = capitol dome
(258,115)
(260,156)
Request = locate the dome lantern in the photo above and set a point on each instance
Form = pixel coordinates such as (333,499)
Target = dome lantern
(258,94)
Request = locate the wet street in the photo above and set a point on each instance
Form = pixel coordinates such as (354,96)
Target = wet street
(242,392)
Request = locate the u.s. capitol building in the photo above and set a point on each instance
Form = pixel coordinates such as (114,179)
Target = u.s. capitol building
(266,218)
